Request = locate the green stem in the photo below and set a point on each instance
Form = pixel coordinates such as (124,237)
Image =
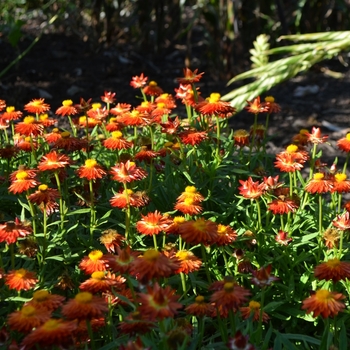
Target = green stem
(217,138)
(183,282)
(12,252)
(91,334)
(92,211)
(59,187)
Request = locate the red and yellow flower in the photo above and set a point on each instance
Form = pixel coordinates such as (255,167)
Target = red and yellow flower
(42,299)
(54,161)
(91,170)
(319,184)
(95,261)
(200,308)
(253,311)
(333,269)
(251,189)
(153,223)
(127,172)
(21,279)
(10,231)
(199,231)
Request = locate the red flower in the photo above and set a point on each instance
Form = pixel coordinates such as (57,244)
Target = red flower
(188,261)
(120,109)
(29,127)
(193,137)
(256,106)
(263,277)
(214,106)
(101,282)
(190,77)
(42,299)
(324,303)
(253,310)
(69,143)
(199,231)
(290,160)
(158,303)
(316,137)
(333,269)
(21,279)
(341,184)
(135,324)
(226,235)
(342,222)
(134,118)
(241,137)
(283,238)
(45,198)
(53,161)
(95,261)
(22,181)
(67,108)
(128,197)
(146,154)
(200,308)
(282,205)
(152,89)
(344,143)
(319,184)
(91,170)
(239,342)
(122,261)
(108,97)
(271,105)
(153,223)
(111,239)
(127,172)
(11,114)
(12,230)
(37,106)
(116,141)
(251,189)
(139,81)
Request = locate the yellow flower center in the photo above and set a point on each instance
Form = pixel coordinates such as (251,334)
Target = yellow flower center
(28,311)
(83,297)
(96,105)
(340,177)
(332,263)
(117,134)
(135,113)
(98,275)
(44,117)
(153,83)
(318,176)
(21,273)
(55,130)
(190,189)
(90,163)
(145,103)
(21,175)
(269,99)
(254,305)
(292,148)
(128,192)
(200,225)
(303,131)
(151,255)
(95,255)
(50,325)
(67,103)
(168,144)
(228,286)
(348,136)
(323,295)
(43,188)
(161,105)
(182,254)
(179,220)
(199,299)
(241,133)
(65,134)
(165,95)
(221,229)
(188,201)
(40,295)
(29,120)
(36,103)
(10,109)
(131,164)
(214,97)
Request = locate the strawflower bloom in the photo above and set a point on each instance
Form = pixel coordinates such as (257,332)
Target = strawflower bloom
(342,222)
(253,310)
(193,137)
(301,139)
(10,231)
(45,198)
(27,318)
(324,303)
(319,184)
(214,106)
(69,143)
(333,269)
(37,106)
(271,105)
(316,137)
(239,342)
(226,235)
(251,189)
(29,127)
(54,161)
(241,137)
(129,197)
(53,136)
(153,264)
(283,238)
(189,206)
(117,141)
(152,89)
(91,170)
(127,172)
(282,205)
(190,192)
(21,279)
(256,106)
(108,97)
(11,114)
(153,223)
(67,109)
(22,180)
(42,299)
(291,160)
(158,303)
(331,237)
(230,297)
(134,118)
(101,282)
(341,183)
(111,239)
(190,77)
(146,154)
(134,323)
(139,82)
(199,231)
(344,143)
(85,306)
(188,261)
(53,333)
(200,308)
(263,277)
(121,261)
(46,121)
(95,261)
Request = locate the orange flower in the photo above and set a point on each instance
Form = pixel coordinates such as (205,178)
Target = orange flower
(251,189)
(11,114)
(29,127)
(53,333)
(324,303)
(282,205)
(2,104)
(153,264)
(42,299)
(146,154)
(113,125)
(301,139)
(190,192)
(53,136)
(85,306)
(67,108)
(271,105)
(263,277)
(128,197)
(190,77)
(283,238)
(139,81)
(27,318)
(45,198)
(316,137)
(53,161)
(226,235)
(46,121)
(91,170)
(241,137)
(127,172)
(22,181)
(341,184)
(69,143)
(186,93)
(189,206)
(291,160)
(253,310)
(111,239)
(199,231)
(158,303)
(152,223)
(319,184)
(331,237)
(101,282)
(174,227)
(152,89)
(122,261)
(21,279)
(193,137)
(214,106)
(12,230)
(342,222)
(230,297)
(97,112)
(95,261)
(8,152)
(89,122)
(116,141)
(344,143)
(188,261)
(256,106)
(37,106)
(333,269)
(108,97)
(200,308)
(134,118)
(120,109)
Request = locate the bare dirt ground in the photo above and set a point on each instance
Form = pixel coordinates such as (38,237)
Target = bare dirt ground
(61,67)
